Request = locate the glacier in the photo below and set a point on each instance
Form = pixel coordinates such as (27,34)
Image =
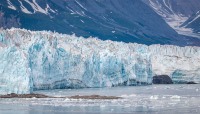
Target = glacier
(42,60)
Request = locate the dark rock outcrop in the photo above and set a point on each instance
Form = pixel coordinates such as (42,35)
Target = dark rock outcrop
(162,79)
(191,83)
(13,95)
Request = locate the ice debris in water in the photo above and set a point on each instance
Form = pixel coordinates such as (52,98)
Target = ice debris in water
(175,97)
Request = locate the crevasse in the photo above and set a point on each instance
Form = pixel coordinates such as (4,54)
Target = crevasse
(46,60)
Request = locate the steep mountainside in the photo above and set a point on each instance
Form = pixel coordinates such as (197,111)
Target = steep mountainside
(193,22)
(118,20)
(177,12)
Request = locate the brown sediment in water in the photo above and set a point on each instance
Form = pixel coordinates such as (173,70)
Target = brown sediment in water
(13,95)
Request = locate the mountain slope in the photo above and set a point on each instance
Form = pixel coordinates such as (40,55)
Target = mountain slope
(194,23)
(127,20)
(176,12)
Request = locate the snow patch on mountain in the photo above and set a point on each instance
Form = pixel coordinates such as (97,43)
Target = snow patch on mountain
(48,8)
(165,10)
(80,5)
(193,23)
(34,5)
(193,19)
(11,6)
(24,9)
(174,19)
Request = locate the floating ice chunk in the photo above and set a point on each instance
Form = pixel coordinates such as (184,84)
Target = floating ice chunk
(175,97)
(154,97)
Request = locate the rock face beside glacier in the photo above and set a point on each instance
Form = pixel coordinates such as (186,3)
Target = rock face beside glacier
(46,60)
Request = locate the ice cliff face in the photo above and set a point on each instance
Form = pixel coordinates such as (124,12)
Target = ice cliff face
(182,64)
(46,60)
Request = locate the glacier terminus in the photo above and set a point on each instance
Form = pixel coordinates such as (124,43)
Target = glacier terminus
(42,60)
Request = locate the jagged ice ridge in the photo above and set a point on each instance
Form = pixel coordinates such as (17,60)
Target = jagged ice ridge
(33,60)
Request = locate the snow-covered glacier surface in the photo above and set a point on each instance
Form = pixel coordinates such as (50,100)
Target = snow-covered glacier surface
(46,60)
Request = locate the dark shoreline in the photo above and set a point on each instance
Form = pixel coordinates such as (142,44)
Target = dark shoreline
(93,96)
(13,95)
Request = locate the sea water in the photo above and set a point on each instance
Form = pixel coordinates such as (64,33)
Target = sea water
(158,99)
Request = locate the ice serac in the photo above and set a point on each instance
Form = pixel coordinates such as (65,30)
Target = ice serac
(61,61)
(46,60)
(182,64)
(14,70)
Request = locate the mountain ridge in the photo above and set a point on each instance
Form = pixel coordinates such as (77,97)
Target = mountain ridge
(127,21)
(177,13)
